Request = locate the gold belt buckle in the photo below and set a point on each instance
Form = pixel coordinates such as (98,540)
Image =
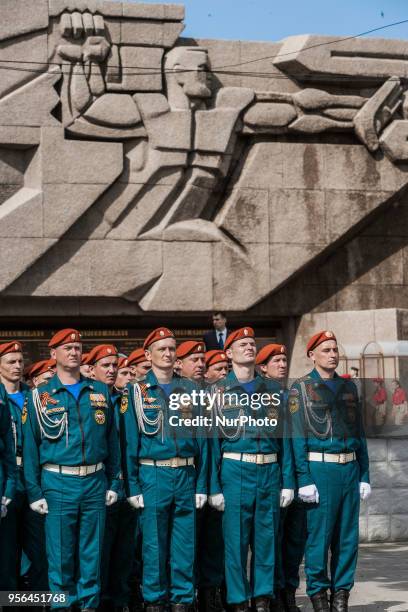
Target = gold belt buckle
(260,459)
(173,462)
(342,458)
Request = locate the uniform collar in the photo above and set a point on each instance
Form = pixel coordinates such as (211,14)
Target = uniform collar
(54,384)
(151,381)
(231,381)
(24,389)
(314,375)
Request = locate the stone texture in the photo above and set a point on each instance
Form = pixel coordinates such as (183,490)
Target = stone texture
(358,57)
(32,104)
(20,254)
(245,215)
(64,203)
(227,257)
(32,48)
(152,33)
(398,451)
(147,76)
(111,9)
(379,528)
(161,12)
(399,528)
(66,161)
(394,141)
(20,17)
(181,289)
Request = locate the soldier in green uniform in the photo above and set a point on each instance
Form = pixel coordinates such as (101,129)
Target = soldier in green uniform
(22,530)
(210,545)
(165,474)
(216,366)
(273,363)
(120,529)
(333,472)
(251,473)
(7,455)
(72,469)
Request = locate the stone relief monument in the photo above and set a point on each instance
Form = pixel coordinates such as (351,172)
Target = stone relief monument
(121,140)
(142,173)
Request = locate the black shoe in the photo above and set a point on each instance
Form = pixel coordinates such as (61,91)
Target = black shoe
(261,604)
(241,607)
(210,600)
(154,607)
(339,601)
(181,607)
(288,598)
(320,602)
(276,605)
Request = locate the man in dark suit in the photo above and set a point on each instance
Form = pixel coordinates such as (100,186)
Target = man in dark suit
(215,339)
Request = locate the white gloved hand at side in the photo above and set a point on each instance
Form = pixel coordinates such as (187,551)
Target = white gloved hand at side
(309,494)
(286,497)
(200,500)
(136,501)
(3,511)
(5,500)
(111,497)
(217,502)
(40,506)
(365,490)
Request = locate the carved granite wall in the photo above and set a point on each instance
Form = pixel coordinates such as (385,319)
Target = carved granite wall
(145,168)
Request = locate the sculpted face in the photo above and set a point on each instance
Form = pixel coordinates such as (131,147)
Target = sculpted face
(189,66)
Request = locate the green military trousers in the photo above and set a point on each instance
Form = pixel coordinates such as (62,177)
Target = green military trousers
(22,530)
(119,548)
(169,525)
(210,549)
(74,529)
(292,541)
(251,520)
(332,524)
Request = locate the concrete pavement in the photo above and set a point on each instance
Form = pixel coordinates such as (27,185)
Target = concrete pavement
(381,580)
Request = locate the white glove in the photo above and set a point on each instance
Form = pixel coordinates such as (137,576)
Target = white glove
(286,497)
(5,500)
(110,498)
(40,506)
(136,501)
(3,511)
(217,502)
(200,500)
(365,490)
(309,494)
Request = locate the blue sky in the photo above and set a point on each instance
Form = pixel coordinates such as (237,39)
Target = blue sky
(275,19)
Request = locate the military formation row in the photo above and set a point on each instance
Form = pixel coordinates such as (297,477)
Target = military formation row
(107,497)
